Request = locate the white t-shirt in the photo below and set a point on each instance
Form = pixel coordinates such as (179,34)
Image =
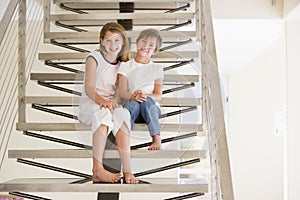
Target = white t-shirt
(141,76)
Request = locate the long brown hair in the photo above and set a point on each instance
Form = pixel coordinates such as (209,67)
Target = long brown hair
(114,27)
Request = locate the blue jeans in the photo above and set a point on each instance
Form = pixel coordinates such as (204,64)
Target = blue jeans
(145,112)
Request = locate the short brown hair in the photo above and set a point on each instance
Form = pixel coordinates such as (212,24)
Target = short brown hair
(151,32)
(114,27)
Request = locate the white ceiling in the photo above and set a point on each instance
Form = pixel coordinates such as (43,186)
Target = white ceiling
(294,13)
(290,6)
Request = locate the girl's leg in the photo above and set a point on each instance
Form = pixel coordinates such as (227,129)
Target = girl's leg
(121,118)
(151,112)
(123,144)
(134,109)
(99,173)
(156,142)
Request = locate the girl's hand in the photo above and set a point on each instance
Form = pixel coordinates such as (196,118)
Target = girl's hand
(115,104)
(139,96)
(106,104)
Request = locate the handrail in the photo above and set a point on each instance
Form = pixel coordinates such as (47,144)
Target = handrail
(9,65)
(222,187)
(8,108)
(22,62)
(7,17)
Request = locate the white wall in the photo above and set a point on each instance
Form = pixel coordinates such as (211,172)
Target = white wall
(239,41)
(264,166)
(254,9)
(255,95)
(250,40)
(293,109)
(3,7)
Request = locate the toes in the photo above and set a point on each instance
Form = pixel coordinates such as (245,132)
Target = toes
(130,179)
(135,181)
(153,147)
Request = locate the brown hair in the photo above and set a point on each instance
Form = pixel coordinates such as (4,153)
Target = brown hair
(151,32)
(114,27)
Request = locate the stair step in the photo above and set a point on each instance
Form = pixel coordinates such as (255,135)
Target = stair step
(60,100)
(82,153)
(136,22)
(115,16)
(91,7)
(83,127)
(164,55)
(80,77)
(117,1)
(94,36)
(67,185)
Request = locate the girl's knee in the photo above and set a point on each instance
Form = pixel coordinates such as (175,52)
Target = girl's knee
(150,102)
(122,113)
(149,105)
(132,105)
(121,120)
(102,115)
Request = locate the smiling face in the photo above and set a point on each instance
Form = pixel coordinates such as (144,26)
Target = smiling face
(112,42)
(146,46)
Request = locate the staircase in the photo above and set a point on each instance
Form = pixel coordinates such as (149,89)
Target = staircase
(194,160)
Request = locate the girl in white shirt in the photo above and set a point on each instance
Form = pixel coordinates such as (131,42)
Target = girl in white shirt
(141,84)
(98,107)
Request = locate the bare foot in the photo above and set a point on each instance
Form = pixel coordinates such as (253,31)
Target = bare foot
(130,178)
(102,175)
(156,143)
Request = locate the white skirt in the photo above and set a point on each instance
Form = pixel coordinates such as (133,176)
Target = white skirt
(91,114)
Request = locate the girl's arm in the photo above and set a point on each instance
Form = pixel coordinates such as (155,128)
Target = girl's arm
(90,84)
(117,100)
(123,88)
(157,92)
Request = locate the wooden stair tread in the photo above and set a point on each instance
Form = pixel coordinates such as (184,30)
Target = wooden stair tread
(99,6)
(80,77)
(66,185)
(117,1)
(130,34)
(81,56)
(136,22)
(64,100)
(154,180)
(82,153)
(114,16)
(83,127)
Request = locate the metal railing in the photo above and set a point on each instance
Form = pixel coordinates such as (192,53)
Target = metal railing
(221,179)
(21,33)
